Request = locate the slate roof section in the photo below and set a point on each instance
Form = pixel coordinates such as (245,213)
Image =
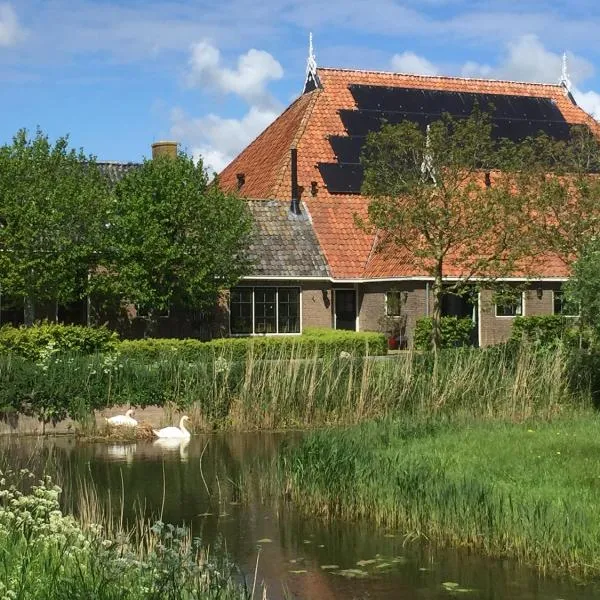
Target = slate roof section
(115,171)
(308,124)
(285,244)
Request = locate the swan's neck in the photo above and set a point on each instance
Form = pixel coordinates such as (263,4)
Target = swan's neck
(182,425)
(129,413)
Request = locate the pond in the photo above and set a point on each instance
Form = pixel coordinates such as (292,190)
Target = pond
(216,484)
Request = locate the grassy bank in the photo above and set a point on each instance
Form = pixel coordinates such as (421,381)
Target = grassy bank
(526,491)
(284,392)
(46,554)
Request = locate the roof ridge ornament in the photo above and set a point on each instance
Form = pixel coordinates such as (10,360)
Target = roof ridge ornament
(312,81)
(565,79)
(427,168)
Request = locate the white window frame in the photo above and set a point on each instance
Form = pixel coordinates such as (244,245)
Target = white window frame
(511,316)
(277,288)
(554,292)
(399,292)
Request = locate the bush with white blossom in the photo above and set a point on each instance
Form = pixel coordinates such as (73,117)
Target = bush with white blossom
(49,555)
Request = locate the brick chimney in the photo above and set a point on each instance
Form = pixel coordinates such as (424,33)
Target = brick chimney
(164,148)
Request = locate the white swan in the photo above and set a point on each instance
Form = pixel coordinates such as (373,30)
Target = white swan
(125,420)
(174,432)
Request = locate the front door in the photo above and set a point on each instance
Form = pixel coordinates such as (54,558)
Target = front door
(464,306)
(345,309)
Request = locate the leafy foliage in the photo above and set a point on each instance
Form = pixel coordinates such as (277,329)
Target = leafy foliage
(176,239)
(561,189)
(53,212)
(545,330)
(455,332)
(583,289)
(314,342)
(33,343)
(430,198)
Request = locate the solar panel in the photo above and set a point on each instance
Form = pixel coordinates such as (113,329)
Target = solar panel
(341,178)
(513,117)
(347,149)
(380,98)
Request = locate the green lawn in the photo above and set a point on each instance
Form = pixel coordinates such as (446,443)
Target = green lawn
(529,491)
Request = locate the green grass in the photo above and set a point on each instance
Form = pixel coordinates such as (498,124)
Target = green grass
(529,491)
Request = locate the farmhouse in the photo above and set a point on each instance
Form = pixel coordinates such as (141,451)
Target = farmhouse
(305,173)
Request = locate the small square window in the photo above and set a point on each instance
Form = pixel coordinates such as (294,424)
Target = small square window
(512,307)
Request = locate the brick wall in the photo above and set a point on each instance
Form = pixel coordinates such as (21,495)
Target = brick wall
(372,304)
(317,305)
(495,330)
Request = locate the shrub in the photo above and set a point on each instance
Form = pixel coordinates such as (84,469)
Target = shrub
(545,330)
(455,332)
(314,343)
(37,342)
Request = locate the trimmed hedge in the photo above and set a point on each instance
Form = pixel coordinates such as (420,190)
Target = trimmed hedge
(35,343)
(455,332)
(38,342)
(331,343)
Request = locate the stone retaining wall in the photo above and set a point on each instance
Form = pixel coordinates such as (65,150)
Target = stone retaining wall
(14,423)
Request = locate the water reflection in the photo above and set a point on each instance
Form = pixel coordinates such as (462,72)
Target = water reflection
(121,452)
(216,484)
(173,445)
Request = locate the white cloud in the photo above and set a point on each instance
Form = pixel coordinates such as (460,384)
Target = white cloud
(409,62)
(589,101)
(527,59)
(249,80)
(11,31)
(216,139)
(219,139)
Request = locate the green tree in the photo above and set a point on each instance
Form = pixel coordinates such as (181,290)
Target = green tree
(53,206)
(582,291)
(433,198)
(178,240)
(561,185)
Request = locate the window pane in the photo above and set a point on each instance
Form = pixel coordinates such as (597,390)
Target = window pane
(393,306)
(289,310)
(510,308)
(265,319)
(240,310)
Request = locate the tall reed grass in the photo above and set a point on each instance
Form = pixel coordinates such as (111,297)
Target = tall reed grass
(45,553)
(525,491)
(287,391)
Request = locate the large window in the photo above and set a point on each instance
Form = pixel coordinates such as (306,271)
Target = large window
(240,310)
(562,306)
(510,306)
(263,310)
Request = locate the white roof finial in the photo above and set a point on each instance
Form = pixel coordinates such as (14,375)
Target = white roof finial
(312,78)
(311,63)
(427,168)
(565,79)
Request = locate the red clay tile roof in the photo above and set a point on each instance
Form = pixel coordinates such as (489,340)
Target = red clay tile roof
(306,125)
(266,160)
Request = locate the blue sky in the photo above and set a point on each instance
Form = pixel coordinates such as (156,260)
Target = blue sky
(119,74)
